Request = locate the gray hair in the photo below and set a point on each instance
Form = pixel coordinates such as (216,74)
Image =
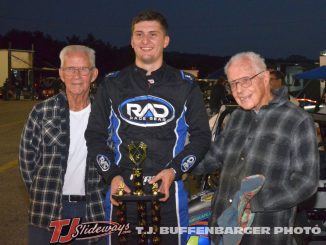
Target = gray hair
(77,48)
(258,62)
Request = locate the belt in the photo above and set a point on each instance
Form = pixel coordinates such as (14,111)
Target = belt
(73,198)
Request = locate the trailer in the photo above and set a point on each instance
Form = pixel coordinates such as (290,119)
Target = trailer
(16,64)
(16,71)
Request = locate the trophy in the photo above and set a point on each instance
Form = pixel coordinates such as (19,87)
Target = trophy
(137,154)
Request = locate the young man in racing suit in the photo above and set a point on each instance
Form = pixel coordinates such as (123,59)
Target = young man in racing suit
(156,104)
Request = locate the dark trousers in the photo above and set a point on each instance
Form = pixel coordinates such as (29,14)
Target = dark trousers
(40,236)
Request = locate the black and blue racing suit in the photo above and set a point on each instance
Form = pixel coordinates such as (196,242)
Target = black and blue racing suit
(159,110)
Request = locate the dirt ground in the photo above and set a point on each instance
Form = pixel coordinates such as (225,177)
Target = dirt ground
(14,199)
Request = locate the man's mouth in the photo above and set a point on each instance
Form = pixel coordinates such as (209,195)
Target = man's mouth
(244,98)
(76,84)
(146,49)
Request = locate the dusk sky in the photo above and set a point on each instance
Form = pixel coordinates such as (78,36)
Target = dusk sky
(273,28)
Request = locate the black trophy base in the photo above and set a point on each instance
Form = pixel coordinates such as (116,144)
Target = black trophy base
(135,198)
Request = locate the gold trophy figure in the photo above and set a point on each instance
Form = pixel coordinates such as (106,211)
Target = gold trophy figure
(137,154)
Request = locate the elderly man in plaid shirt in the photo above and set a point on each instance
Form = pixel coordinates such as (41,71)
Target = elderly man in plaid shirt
(269,136)
(61,183)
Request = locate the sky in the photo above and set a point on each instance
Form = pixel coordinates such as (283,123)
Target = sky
(273,28)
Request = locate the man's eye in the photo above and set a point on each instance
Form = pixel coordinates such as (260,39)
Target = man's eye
(246,79)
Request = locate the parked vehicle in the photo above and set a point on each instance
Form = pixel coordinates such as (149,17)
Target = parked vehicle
(307,104)
(46,88)
(312,212)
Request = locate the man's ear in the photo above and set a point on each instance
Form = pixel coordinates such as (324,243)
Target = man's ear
(61,75)
(166,41)
(267,77)
(94,74)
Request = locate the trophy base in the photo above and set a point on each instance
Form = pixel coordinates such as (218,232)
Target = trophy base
(135,198)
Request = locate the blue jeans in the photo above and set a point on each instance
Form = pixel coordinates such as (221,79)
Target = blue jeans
(73,210)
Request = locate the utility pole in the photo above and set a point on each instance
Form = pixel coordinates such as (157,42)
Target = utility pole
(9,62)
(31,74)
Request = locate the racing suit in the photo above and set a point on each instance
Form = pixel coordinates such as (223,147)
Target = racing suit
(159,110)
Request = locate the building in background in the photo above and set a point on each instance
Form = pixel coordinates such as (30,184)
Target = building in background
(193,72)
(322,58)
(16,65)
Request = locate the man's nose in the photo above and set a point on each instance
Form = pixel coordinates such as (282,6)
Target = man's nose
(238,87)
(145,39)
(76,72)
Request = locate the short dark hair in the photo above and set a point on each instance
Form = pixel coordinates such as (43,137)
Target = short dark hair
(278,75)
(149,16)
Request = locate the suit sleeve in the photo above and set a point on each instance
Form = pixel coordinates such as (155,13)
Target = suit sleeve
(97,134)
(199,134)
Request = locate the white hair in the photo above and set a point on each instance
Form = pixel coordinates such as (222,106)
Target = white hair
(257,62)
(77,48)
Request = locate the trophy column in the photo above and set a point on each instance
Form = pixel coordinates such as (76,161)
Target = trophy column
(137,154)
(141,205)
(156,216)
(121,214)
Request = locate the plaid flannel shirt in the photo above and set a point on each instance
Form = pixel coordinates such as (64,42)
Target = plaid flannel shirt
(43,156)
(278,142)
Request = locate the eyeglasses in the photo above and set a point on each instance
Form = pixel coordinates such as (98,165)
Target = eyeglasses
(83,71)
(245,82)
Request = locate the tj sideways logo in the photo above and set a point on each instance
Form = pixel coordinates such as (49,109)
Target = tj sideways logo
(67,230)
(147,111)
